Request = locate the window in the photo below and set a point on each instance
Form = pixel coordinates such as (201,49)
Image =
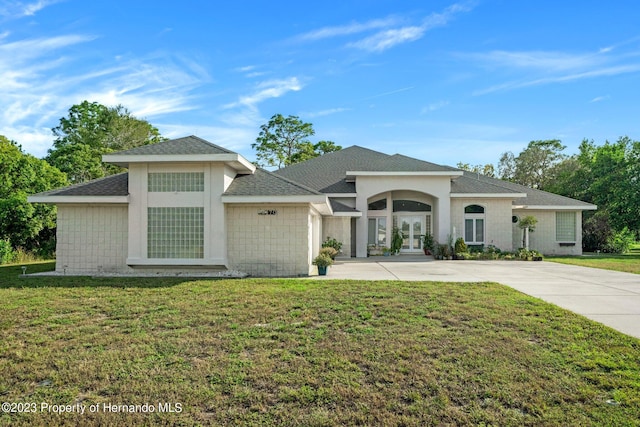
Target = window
(378,205)
(175,233)
(377,231)
(173,182)
(474,224)
(565,226)
(410,206)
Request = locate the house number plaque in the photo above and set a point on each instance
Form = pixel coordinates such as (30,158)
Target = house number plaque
(268,212)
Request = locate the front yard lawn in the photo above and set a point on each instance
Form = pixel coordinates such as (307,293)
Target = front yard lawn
(305,352)
(629,262)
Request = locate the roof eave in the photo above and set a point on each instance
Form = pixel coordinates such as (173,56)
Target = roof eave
(236,161)
(354,214)
(57,200)
(488,195)
(320,202)
(558,207)
(405,173)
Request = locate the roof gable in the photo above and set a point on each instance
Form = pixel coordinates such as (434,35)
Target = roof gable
(186,145)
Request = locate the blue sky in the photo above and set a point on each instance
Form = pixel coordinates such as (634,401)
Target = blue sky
(438,80)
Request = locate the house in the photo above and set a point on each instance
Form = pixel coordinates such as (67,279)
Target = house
(190,204)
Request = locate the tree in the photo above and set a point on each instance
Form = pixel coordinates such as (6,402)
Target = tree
(22,223)
(91,130)
(527,225)
(614,180)
(532,167)
(486,170)
(507,166)
(284,141)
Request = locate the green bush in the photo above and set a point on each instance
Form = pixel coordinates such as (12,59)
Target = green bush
(620,242)
(7,254)
(328,250)
(332,243)
(460,246)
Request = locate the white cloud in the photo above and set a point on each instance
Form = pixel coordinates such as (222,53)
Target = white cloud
(539,60)
(15,10)
(34,140)
(31,8)
(389,38)
(236,138)
(600,72)
(391,31)
(343,30)
(323,112)
(266,90)
(40,83)
(536,68)
(434,107)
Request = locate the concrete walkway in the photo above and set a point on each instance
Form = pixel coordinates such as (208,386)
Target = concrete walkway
(608,297)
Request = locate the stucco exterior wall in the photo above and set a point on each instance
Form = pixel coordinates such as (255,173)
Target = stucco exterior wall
(498,213)
(269,245)
(338,228)
(216,179)
(438,187)
(91,239)
(543,239)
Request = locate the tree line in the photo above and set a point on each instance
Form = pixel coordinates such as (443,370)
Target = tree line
(607,175)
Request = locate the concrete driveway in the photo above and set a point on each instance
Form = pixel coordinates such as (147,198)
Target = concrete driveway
(608,297)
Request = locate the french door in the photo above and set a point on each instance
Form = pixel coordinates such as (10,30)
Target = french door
(412,228)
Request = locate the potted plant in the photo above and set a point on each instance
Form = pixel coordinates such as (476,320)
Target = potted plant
(328,250)
(330,242)
(386,251)
(397,238)
(427,244)
(322,261)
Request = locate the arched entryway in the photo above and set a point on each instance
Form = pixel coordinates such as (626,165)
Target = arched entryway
(409,211)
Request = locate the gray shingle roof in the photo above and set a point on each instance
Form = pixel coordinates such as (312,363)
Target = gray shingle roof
(187,145)
(265,183)
(114,185)
(327,173)
(341,207)
(472,184)
(534,197)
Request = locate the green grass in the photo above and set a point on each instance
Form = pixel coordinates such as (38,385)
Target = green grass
(629,262)
(308,353)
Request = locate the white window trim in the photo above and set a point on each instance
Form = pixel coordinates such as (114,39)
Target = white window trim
(377,226)
(575,232)
(475,217)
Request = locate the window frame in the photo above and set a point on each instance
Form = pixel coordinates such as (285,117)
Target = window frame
(475,218)
(563,228)
(376,220)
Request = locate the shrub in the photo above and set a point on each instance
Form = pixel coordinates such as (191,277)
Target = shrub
(323,260)
(428,242)
(460,246)
(332,243)
(597,232)
(620,242)
(330,251)
(7,254)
